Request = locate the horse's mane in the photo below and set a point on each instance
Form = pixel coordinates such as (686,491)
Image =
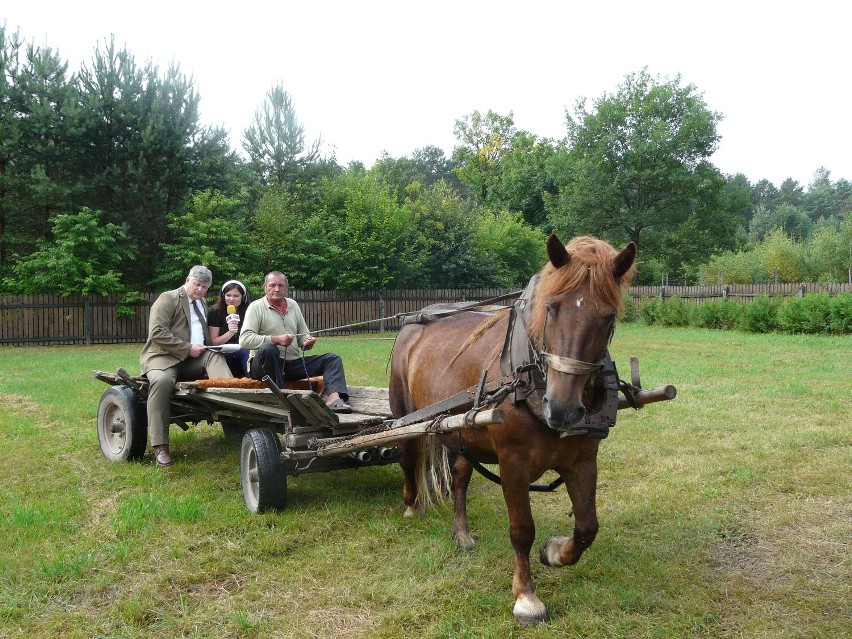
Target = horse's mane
(479,332)
(590,258)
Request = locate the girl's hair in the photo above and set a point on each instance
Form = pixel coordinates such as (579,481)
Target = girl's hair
(221,305)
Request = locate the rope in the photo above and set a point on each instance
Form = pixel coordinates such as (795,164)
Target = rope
(464,309)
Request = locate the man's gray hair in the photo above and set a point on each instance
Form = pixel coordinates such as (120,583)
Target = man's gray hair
(200,274)
(277,274)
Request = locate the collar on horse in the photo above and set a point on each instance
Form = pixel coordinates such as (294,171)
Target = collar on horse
(520,357)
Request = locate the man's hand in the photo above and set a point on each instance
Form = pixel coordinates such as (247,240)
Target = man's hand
(197,350)
(308,342)
(282,340)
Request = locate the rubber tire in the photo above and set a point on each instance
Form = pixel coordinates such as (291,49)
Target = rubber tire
(261,472)
(122,424)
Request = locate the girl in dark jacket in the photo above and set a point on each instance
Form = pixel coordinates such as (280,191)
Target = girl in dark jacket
(225,326)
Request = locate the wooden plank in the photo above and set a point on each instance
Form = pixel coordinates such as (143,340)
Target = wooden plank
(396,434)
(315,410)
(250,408)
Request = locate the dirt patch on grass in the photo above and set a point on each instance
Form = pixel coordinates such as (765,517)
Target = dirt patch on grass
(18,403)
(813,543)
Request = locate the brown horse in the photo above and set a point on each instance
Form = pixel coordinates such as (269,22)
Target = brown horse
(568,315)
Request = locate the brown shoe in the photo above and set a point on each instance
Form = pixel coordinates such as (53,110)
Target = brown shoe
(162,456)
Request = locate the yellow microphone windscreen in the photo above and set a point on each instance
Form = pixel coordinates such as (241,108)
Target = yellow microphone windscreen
(232,309)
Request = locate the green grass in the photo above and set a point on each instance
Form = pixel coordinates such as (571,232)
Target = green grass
(725,513)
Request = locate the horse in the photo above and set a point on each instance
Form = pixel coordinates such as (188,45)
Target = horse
(566,318)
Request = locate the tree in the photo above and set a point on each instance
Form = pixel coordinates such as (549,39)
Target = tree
(275,142)
(433,167)
(212,232)
(831,250)
(484,142)
(443,238)
(525,180)
(512,249)
(638,169)
(12,235)
(765,193)
(143,151)
(791,193)
(82,257)
(820,201)
(790,220)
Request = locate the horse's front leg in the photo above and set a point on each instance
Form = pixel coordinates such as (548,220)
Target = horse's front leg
(462,471)
(581,482)
(529,609)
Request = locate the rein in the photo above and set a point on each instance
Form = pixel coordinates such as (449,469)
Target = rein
(420,316)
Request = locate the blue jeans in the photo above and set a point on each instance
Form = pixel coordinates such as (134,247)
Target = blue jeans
(238,362)
(267,361)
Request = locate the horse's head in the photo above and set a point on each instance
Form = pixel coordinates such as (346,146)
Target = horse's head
(574,308)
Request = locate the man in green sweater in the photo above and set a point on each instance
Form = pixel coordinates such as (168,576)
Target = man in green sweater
(275,332)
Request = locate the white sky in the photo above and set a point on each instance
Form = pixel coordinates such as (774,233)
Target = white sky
(375,76)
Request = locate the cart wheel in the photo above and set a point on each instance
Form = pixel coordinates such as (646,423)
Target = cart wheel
(122,424)
(261,472)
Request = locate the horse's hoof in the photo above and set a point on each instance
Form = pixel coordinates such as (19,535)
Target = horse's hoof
(530,611)
(411,511)
(465,542)
(548,554)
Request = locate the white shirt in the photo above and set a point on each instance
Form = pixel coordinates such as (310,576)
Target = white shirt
(196,330)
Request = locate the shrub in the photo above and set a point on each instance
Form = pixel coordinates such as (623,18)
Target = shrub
(630,314)
(808,314)
(651,310)
(721,314)
(675,312)
(840,311)
(761,315)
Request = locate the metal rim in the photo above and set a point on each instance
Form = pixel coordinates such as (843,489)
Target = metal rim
(114,428)
(251,482)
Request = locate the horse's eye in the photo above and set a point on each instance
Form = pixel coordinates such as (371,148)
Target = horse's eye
(552,309)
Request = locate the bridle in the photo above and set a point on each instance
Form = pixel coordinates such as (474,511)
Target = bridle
(523,358)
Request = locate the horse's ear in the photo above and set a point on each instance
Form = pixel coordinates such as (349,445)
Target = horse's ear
(623,261)
(556,251)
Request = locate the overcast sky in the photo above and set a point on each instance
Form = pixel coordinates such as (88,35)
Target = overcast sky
(371,77)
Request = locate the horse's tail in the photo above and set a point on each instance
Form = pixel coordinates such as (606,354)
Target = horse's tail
(434,477)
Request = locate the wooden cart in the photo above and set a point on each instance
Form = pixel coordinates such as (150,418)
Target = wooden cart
(291,431)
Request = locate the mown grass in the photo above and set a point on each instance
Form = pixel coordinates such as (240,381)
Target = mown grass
(725,513)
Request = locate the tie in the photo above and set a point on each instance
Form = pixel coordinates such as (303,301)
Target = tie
(201,319)
(198,313)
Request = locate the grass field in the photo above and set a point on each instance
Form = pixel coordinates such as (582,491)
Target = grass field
(724,513)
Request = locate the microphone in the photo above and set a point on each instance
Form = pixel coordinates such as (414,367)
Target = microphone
(232,315)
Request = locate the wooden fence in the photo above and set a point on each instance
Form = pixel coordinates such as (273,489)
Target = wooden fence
(51,319)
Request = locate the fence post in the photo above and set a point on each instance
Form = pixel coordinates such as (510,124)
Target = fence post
(87,321)
(802,290)
(382,312)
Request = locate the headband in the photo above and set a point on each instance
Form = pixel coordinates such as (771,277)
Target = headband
(238,283)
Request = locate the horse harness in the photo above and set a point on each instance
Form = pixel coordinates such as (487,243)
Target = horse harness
(524,378)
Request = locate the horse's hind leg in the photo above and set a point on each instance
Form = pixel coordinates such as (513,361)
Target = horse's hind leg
(462,471)
(581,484)
(408,456)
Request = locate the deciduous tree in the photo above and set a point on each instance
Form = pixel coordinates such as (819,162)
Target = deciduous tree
(638,169)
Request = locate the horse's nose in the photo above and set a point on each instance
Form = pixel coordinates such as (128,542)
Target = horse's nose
(562,418)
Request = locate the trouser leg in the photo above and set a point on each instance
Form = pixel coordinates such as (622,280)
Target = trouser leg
(267,361)
(214,364)
(329,365)
(238,362)
(161,383)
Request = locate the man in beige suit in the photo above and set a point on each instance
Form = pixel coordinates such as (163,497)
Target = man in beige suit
(177,333)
